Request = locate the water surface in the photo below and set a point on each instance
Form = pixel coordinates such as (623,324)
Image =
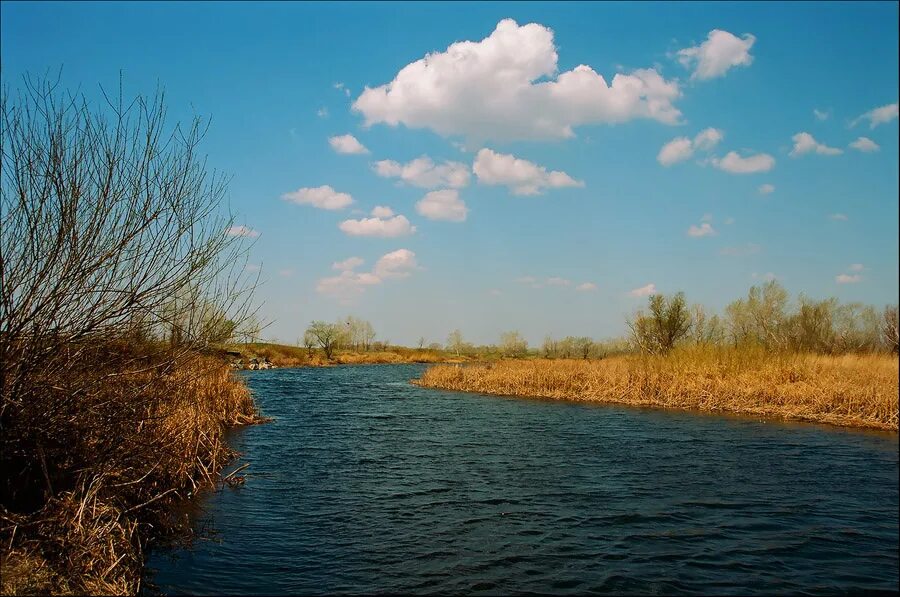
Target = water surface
(367,484)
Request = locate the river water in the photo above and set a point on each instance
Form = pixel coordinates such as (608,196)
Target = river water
(367,484)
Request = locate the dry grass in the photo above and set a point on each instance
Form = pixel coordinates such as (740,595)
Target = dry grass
(293,356)
(114,491)
(849,390)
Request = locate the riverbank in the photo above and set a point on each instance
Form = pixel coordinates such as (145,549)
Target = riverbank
(282,355)
(848,390)
(140,444)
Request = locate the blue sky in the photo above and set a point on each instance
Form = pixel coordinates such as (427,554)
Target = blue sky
(563,240)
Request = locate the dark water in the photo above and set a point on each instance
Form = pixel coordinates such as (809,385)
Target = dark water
(367,484)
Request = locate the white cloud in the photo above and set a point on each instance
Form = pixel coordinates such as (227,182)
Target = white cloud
(347,144)
(857,267)
(848,278)
(350,263)
(350,284)
(682,148)
(423,172)
(644,290)
(766,189)
(558,282)
(322,112)
(715,56)
(521,176)
(323,197)
(704,229)
(742,251)
(735,164)
(443,205)
(805,143)
(397,264)
(838,217)
(342,87)
(506,87)
(381,211)
(865,145)
(378,227)
(242,231)
(586,287)
(821,114)
(877,116)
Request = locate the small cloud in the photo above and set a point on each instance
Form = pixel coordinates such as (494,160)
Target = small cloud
(423,172)
(734,163)
(644,290)
(520,176)
(242,231)
(342,87)
(877,116)
(586,287)
(821,114)
(348,264)
(805,143)
(682,148)
(322,112)
(838,217)
(741,251)
(704,229)
(848,278)
(323,197)
(381,211)
(865,145)
(397,264)
(350,284)
(717,55)
(347,144)
(443,205)
(766,189)
(558,282)
(378,227)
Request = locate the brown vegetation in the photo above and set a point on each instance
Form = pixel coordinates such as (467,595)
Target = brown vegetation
(851,390)
(282,355)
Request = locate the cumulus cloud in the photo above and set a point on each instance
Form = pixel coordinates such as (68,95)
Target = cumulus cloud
(380,211)
(242,231)
(323,197)
(682,148)
(506,87)
(423,172)
(443,205)
(848,278)
(865,145)
(821,114)
(378,227)
(704,229)
(586,287)
(735,164)
(766,189)
(806,143)
(644,290)
(521,176)
(347,144)
(350,283)
(720,52)
(877,116)
(741,251)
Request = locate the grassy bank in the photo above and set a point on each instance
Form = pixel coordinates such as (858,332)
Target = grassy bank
(282,355)
(77,519)
(850,390)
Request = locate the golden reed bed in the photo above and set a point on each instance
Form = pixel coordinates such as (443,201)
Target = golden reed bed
(849,390)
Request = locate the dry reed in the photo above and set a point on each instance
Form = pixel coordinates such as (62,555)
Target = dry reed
(849,390)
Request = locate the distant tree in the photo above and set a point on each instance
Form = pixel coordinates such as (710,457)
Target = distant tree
(435,346)
(550,347)
(566,348)
(328,335)
(309,341)
(584,346)
(421,342)
(512,344)
(455,342)
(667,321)
(889,328)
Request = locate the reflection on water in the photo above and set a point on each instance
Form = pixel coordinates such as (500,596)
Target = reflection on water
(365,483)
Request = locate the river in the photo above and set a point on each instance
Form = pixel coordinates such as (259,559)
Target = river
(365,483)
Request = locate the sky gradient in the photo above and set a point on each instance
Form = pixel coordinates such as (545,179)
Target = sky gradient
(543,176)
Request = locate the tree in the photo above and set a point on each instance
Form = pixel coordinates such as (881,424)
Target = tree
(455,341)
(328,335)
(889,328)
(421,342)
(666,323)
(512,344)
(309,341)
(584,346)
(550,347)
